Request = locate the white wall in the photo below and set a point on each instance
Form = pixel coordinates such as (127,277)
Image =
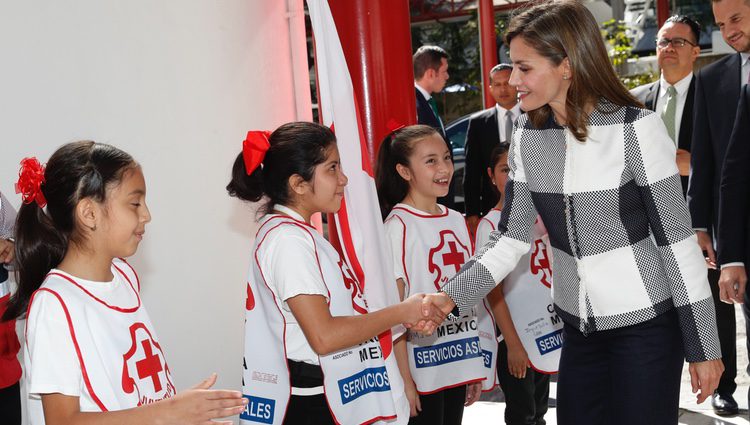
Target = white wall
(176,84)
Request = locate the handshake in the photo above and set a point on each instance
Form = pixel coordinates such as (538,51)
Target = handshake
(423,313)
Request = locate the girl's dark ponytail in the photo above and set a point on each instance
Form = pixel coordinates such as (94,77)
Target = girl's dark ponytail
(246,187)
(39,248)
(390,186)
(75,171)
(294,148)
(396,149)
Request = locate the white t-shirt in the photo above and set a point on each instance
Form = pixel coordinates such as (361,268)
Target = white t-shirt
(51,357)
(287,263)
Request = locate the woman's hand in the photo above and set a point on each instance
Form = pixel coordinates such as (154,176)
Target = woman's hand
(518,361)
(704,376)
(473,391)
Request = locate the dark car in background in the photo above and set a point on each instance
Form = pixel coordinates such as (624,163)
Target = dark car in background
(456,132)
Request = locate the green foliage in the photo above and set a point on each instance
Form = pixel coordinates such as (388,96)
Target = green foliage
(458,38)
(635,80)
(620,50)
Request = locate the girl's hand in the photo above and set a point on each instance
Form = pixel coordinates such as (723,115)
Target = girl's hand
(473,391)
(7,249)
(411,393)
(196,406)
(199,405)
(518,361)
(415,317)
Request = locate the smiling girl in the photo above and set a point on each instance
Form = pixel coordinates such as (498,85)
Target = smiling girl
(429,243)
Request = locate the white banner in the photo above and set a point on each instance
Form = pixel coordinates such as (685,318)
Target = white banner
(359,225)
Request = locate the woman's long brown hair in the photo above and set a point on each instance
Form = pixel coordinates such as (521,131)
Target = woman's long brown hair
(559,29)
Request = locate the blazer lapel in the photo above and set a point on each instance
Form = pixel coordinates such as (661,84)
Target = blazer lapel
(653,91)
(728,88)
(493,129)
(686,125)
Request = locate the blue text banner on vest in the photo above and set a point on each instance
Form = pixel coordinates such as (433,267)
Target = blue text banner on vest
(359,384)
(447,352)
(258,409)
(487,358)
(549,342)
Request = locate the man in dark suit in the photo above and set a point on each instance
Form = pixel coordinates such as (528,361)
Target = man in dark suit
(717,89)
(677,50)
(734,209)
(672,95)
(430,76)
(487,129)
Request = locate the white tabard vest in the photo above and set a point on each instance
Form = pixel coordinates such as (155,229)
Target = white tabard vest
(122,363)
(357,386)
(527,293)
(488,340)
(434,249)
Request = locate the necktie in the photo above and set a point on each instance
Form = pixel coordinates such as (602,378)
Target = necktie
(669,111)
(508,126)
(433,106)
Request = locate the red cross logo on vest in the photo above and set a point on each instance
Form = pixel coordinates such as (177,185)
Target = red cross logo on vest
(447,258)
(350,282)
(150,366)
(144,370)
(540,265)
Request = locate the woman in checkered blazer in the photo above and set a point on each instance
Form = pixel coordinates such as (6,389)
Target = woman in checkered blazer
(629,278)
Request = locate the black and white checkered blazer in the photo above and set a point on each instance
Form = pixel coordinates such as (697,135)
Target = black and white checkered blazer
(623,248)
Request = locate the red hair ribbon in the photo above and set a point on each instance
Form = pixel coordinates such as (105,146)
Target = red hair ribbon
(30,179)
(394,125)
(254,149)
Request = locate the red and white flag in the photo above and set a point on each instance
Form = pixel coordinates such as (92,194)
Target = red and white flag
(359,225)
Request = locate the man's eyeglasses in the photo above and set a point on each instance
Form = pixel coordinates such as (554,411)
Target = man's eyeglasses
(663,42)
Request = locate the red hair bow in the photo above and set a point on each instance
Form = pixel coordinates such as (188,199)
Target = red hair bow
(30,179)
(254,149)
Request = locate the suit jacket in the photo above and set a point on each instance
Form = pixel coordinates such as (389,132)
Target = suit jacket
(734,204)
(717,91)
(426,116)
(482,136)
(648,94)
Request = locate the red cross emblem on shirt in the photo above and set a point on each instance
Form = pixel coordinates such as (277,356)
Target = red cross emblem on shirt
(150,366)
(453,257)
(144,369)
(447,257)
